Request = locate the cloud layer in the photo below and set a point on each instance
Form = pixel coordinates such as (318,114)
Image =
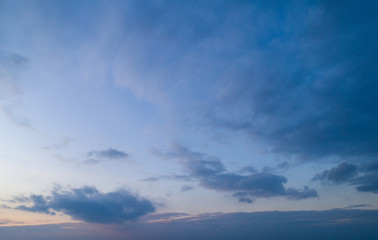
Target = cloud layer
(335,224)
(90,205)
(309,87)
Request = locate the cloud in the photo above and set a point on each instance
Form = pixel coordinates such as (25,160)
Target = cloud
(342,173)
(105,155)
(243,197)
(364,177)
(295,91)
(109,153)
(173,177)
(358,206)
(366,183)
(90,205)
(211,174)
(11,67)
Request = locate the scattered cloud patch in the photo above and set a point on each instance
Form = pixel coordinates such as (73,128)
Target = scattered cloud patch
(364,178)
(358,206)
(212,174)
(109,154)
(90,205)
(173,177)
(96,156)
(340,174)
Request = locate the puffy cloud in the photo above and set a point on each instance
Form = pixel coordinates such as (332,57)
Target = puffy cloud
(342,173)
(211,174)
(90,205)
(366,181)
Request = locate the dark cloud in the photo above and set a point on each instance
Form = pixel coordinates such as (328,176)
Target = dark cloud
(40,205)
(340,174)
(211,173)
(365,178)
(243,197)
(366,183)
(90,205)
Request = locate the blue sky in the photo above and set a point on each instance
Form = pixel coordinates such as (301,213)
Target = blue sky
(116,111)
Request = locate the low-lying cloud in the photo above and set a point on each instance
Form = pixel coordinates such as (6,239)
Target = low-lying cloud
(90,205)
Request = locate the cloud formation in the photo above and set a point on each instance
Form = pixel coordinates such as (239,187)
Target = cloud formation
(364,177)
(342,173)
(211,174)
(105,155)
(90,205)
(109,153)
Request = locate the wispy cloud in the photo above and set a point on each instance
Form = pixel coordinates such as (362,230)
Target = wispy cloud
(109,154)
(174,177)
(62,143)
(11,65)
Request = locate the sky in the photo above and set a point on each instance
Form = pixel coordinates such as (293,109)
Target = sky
(155,119)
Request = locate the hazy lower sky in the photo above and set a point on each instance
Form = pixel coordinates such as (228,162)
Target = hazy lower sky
(113,112)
